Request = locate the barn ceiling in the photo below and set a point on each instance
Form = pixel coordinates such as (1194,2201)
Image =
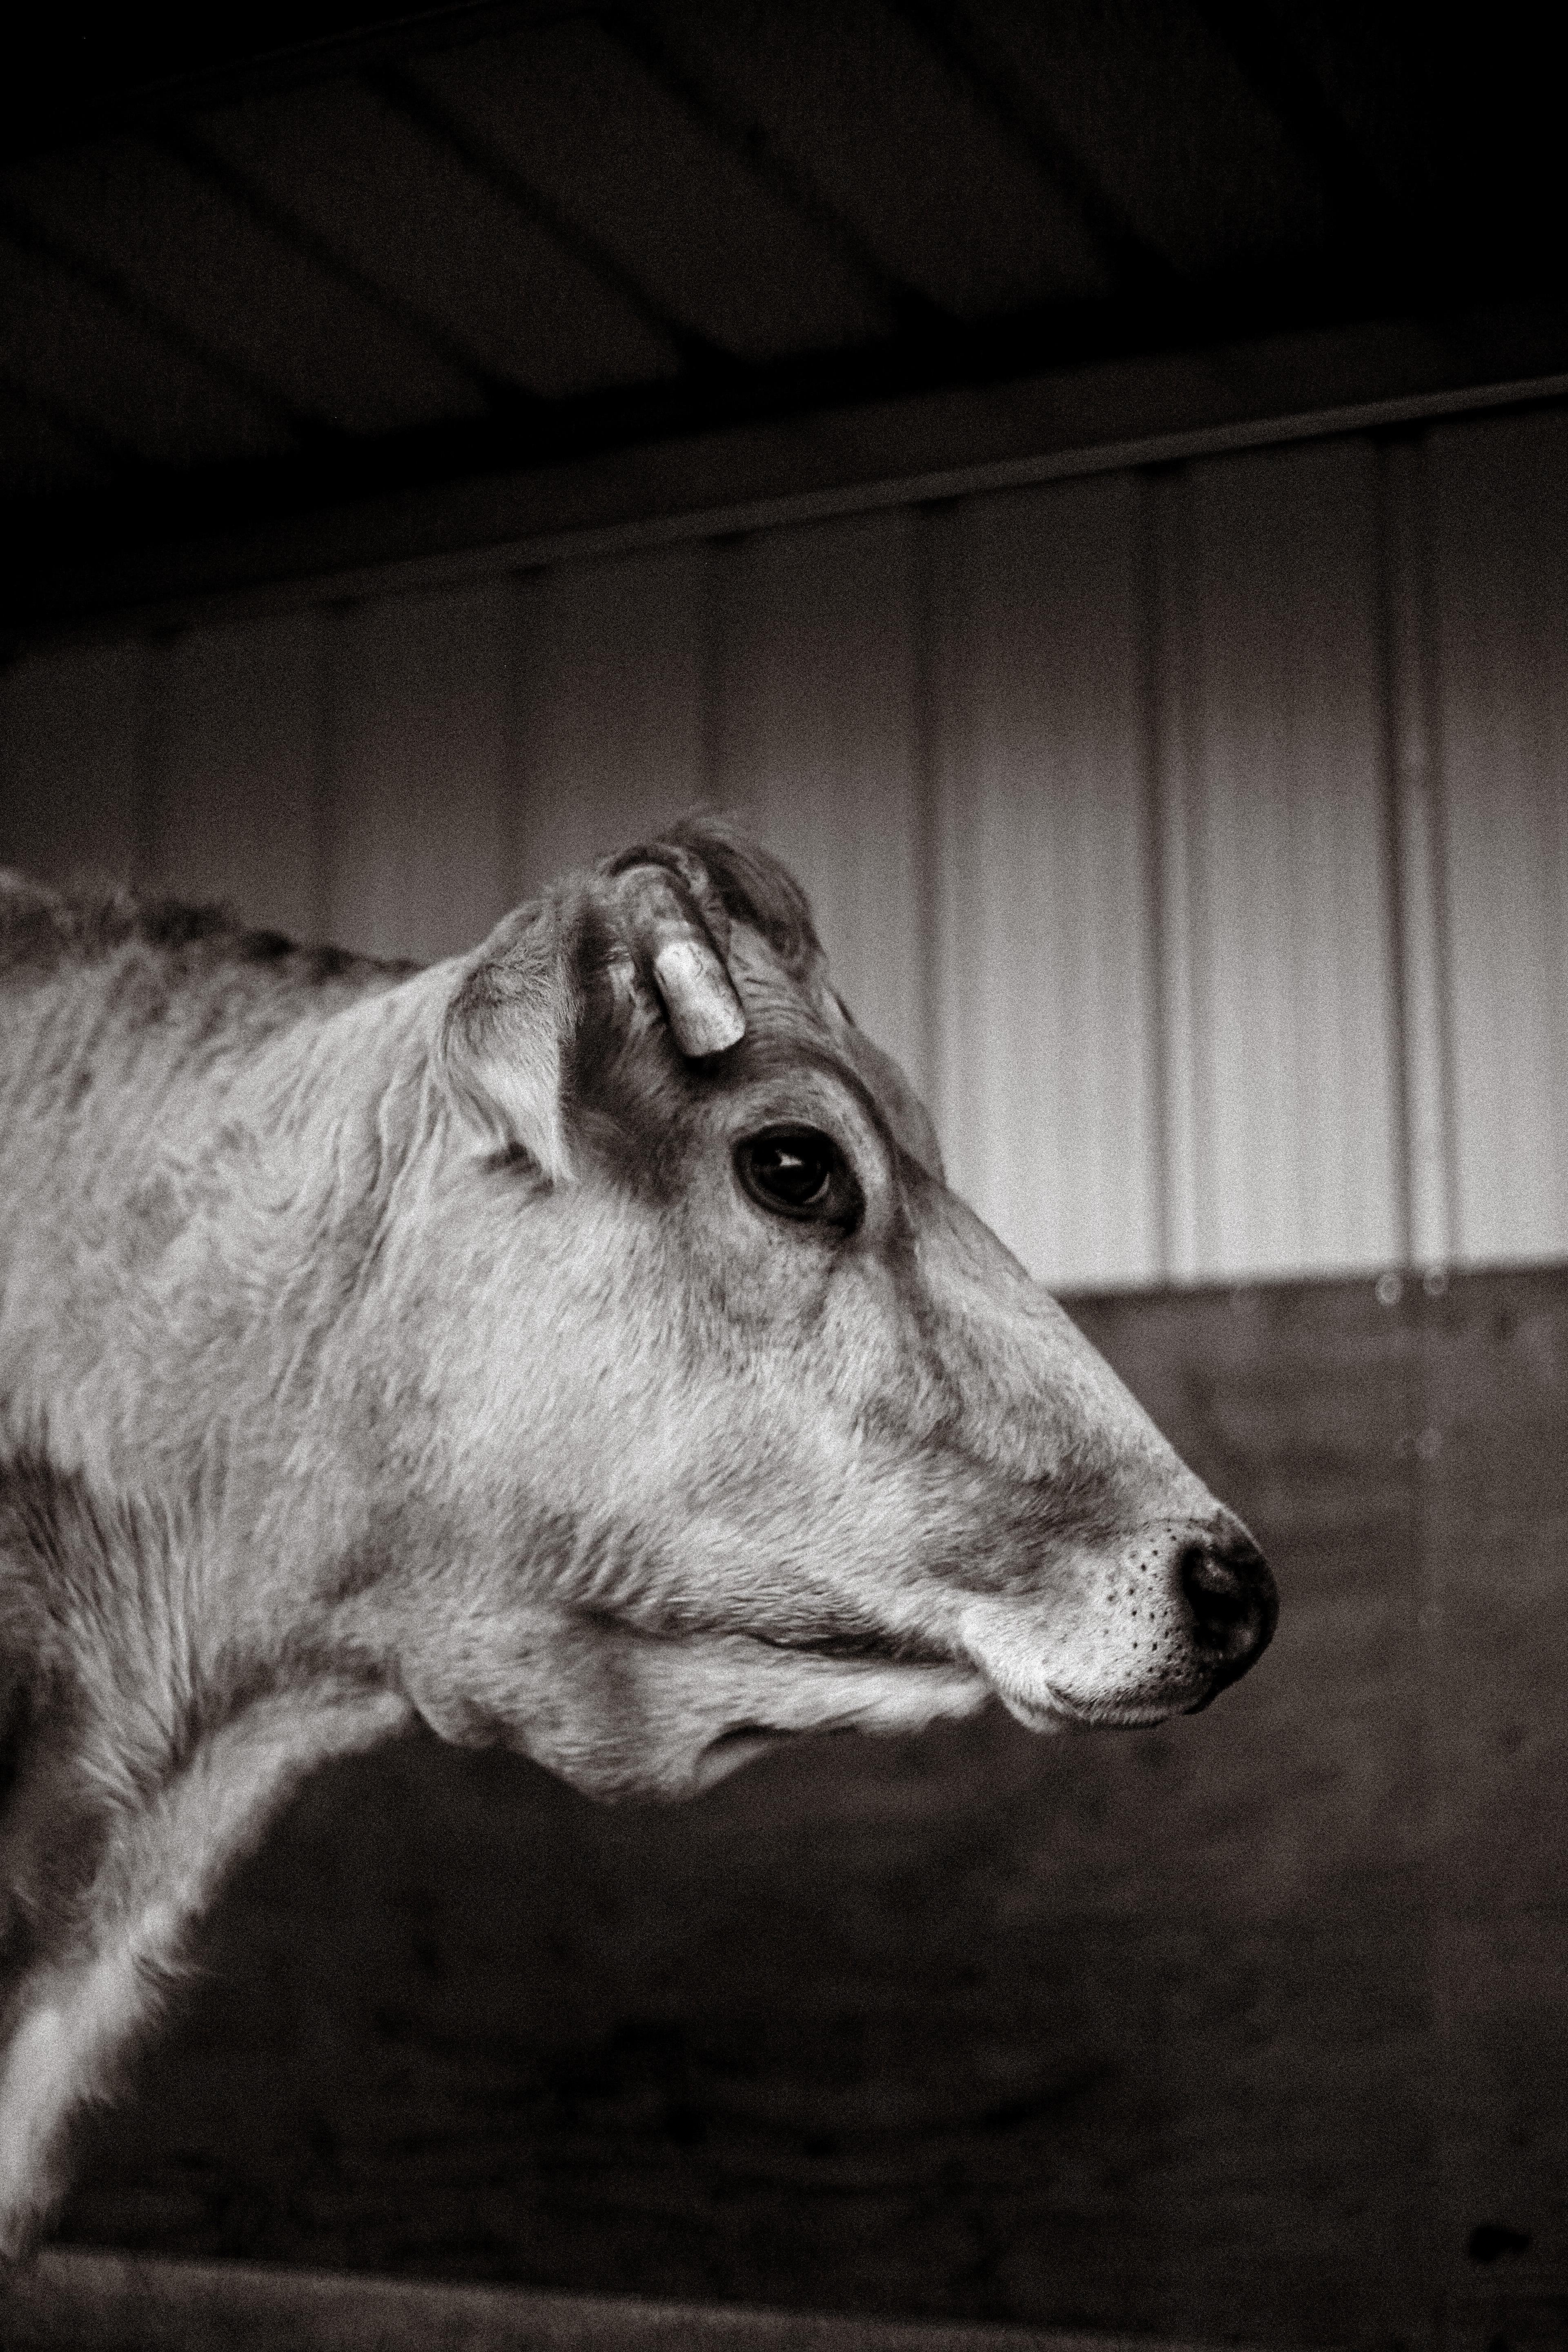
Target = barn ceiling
(285,259)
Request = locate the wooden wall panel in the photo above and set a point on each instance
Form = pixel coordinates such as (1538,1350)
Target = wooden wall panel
(1270,659)
(1495,1498)
(610,668)
(417,755)
(818,747)
(1045,948)
(73,759)
(1499,507)
(234,791)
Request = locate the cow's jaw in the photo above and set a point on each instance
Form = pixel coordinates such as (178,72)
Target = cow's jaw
(797,1697)
(840,1695)
(1050,1710)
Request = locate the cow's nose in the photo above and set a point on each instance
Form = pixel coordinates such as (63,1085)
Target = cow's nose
(1227,1587)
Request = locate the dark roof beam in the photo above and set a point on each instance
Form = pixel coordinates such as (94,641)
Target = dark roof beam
(1361,204)
(148,315)
(249,62)
(953,31)
(915,314)
(98,446)
(503,399)
(698,355)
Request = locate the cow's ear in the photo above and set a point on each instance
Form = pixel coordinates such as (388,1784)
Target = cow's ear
(505,1032)
(512,1016)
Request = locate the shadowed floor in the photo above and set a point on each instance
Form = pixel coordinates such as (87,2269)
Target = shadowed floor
(107,2302)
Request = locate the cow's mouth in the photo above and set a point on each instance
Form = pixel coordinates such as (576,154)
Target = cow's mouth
(749,1739)
(1050,1714)
(1056,1712)
(741,1744)
(822,1695)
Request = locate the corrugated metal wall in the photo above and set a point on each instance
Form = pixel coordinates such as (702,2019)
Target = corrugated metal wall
(1197,838)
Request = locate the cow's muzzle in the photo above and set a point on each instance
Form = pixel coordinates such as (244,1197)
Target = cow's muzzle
(1230,1595)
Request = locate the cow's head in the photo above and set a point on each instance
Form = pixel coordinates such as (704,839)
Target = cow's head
(736,1422)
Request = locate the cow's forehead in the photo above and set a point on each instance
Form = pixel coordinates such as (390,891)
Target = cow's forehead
(908,1120)
(808,1011)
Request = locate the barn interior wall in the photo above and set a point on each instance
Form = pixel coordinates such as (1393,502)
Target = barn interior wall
(1196,836)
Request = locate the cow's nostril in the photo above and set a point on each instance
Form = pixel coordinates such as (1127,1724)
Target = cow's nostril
(1231,1595)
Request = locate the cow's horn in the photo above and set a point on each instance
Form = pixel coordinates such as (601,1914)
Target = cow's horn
(687,970)
(703,1008)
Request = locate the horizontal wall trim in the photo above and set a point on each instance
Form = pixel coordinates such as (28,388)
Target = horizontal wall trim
(939,446)
(114,2301)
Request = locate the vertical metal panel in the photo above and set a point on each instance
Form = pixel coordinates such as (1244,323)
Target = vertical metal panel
(1046,983)
(1275,665)
(1169,671)
(72,738)
(817,747)
(1119,800)
(1421,899)
(1499,523)
(417,758)
(234,783)
(609,707)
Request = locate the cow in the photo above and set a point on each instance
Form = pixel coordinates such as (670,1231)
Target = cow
(573,1346)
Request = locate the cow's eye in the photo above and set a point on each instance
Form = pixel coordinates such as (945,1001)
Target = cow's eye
(797,1171)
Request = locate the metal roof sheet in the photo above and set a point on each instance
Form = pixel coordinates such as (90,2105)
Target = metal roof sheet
(179,249)
(286,258)
(631,163)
